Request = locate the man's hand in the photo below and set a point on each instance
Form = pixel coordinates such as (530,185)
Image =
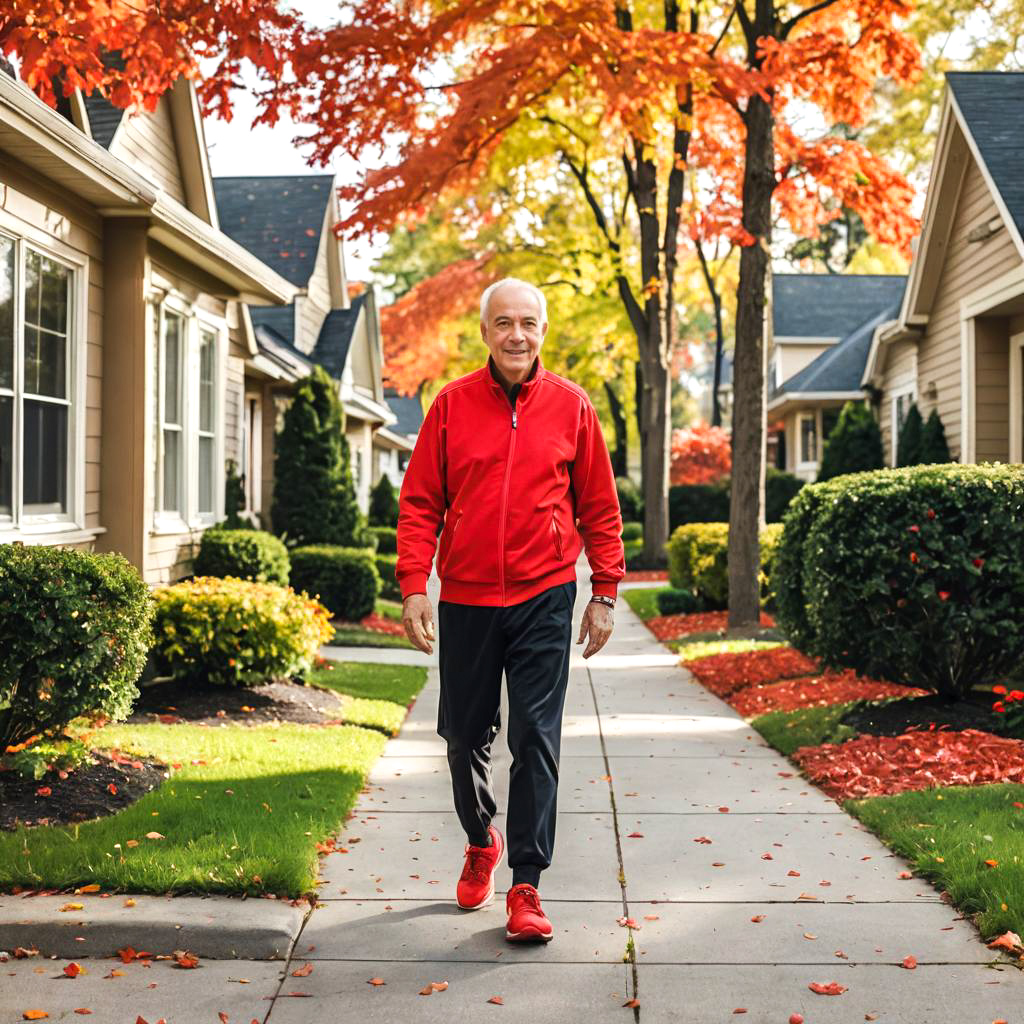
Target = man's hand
(418,619)
(598,620)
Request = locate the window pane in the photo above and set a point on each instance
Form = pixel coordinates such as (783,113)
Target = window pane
(172,368)
(206,474)
(206,382)
(6,456)
(53,296)
(808,441)
(46,305)
(44,474)
(6,313)
(172,465)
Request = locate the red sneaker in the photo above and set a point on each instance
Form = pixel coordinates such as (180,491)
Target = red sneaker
(476,884)
(526,921)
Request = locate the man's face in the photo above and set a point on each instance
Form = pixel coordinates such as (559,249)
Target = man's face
(513,330)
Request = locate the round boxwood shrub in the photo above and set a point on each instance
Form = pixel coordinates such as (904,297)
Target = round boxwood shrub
(74,634)
(671,601)
(698,503)
(780,488)
(344,579)
(632,531)
(229,631)
(698,560)
(387,539)
(914,575)
(389,586)
(247,554)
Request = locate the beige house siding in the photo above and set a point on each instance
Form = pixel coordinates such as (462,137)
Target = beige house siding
(146,141)
(791,359)
(900,373)
(968,266)
(53,221)
(992,389)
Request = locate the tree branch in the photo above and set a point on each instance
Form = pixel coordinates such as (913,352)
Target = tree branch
(788,26)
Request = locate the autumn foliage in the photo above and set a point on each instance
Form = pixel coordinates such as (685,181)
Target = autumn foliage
(700,455)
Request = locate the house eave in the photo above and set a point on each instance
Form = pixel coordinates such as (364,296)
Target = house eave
(788,401)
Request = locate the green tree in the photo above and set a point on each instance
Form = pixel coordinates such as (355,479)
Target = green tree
(234,497)
(383,503)
(933,440)
(908,447)
(314,495)
(854,445)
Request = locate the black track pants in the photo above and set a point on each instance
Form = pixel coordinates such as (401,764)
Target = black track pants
(530,642)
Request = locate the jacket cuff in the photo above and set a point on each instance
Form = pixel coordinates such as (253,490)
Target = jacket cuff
(414,583)
(603,589)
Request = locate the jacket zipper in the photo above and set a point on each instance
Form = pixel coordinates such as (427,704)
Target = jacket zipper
(504,500)
(558,536)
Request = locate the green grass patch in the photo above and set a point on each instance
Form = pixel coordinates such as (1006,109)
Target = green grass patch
(787,730)
(398,683)
(965,826)
(644,600)
(385,715)
(353,637)
(388,609)
(292,786)
(690,649)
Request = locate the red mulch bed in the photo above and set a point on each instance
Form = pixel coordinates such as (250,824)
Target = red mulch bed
(815,692)
(646,576)
(375,623)
(672,627)
(726,673)
(918,759)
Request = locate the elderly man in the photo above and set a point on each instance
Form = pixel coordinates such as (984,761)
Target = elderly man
(512,456)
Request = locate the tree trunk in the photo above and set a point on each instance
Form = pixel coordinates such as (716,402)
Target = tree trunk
(746,506)
(619,422)
(716,299)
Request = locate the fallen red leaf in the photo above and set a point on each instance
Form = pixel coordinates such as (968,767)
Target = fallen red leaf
(910,962)
(833,988)
(497,1000)
(73,970)
(634,1003)
(302,972)
(635,835)
(223,1016)
(376,981)
(34,1015)
(1009,941)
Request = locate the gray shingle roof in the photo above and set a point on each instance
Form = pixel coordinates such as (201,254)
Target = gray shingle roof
(841,366)
(408,409)
(992,103)
(332,345)
(829,305)
(277,218)
(104,118)
(279,319)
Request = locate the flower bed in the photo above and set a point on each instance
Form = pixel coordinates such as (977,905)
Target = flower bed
(671,627)
(724,674)
(918,759)
(380,624)
(645,576)
(816,691)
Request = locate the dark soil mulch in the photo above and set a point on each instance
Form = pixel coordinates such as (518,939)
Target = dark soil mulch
(83,795)
(895,717)
(172,702)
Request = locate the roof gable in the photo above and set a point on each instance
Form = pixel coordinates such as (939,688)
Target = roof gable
(840,367)
(408,409)
(335,339)
(829,305)
(279,218)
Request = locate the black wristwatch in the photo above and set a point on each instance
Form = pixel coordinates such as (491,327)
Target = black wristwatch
(601,599)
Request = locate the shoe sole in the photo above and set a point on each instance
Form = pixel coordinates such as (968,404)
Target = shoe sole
(489,898)
(531,935)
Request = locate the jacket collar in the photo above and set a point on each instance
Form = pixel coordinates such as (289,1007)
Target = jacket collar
(533,378)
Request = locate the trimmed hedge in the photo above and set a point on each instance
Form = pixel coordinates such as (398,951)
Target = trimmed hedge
(344,579)
(913,575)
(698,560)
(709,503)
(677,602)
(631,502)
(247,554)
(389,586)
(632,531)
(233,632)
(74,634)
(387,539)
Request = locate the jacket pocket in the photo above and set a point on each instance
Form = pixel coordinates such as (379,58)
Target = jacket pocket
(447,539)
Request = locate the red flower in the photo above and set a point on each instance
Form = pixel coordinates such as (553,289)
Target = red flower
(931,513)
(998,706)
(999,689)
(979,562)
(913,557)
(944,595)
(1016,695)
(915,528)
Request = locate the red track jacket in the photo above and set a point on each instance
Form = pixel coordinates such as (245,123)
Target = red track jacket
(512,484)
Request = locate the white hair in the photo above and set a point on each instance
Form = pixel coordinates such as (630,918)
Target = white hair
(485,298)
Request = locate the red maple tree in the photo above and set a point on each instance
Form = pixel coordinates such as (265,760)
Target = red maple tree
(700,454)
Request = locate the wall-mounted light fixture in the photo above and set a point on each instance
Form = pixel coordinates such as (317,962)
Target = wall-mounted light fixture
(985,230)
(931,392)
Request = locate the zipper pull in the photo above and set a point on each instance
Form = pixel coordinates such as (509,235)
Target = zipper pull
(513,419)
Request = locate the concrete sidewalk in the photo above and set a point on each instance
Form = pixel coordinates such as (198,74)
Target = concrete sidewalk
(669,807)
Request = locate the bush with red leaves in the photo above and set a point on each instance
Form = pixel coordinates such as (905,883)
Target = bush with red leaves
(917,759)
(726,673)
(816,692)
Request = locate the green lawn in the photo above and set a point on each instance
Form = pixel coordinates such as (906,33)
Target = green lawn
(398,683)
(964,826)
(808,727)
(690,648)
(644,600)
(292,786)
(351,635)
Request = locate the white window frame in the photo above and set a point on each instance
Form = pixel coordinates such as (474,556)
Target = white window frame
(801,463)
(908,391)
(1016,398)
(195,322)
(40,527)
